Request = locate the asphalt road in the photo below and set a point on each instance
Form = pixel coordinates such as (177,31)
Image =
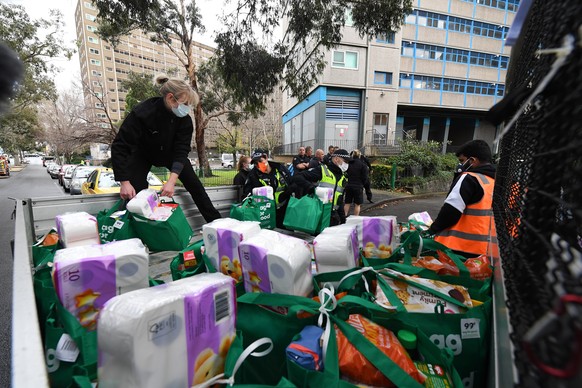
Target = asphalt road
(402,208)
(33,181)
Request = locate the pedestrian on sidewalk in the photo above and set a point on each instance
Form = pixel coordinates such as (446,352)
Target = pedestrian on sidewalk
(356,154)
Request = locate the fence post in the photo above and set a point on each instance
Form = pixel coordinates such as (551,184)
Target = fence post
(393,177)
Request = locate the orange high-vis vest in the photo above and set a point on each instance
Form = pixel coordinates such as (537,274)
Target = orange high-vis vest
(475,231)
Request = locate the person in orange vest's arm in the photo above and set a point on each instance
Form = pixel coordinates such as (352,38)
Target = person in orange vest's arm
(465,222)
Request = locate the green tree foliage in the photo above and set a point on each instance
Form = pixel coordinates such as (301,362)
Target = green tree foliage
(165,20)
(34,41)
(254,69)
(139,87)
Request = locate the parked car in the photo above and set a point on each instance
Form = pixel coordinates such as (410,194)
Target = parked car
(102,181)
(227,160)
(79,176)
(61,175)
(67,177)
(46,160)
(53,170)
(4,166)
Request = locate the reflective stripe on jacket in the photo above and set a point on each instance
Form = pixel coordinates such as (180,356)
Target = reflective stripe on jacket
(281,186)
(329,180)
(475,231)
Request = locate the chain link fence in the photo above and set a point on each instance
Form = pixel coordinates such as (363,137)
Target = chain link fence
(538,200)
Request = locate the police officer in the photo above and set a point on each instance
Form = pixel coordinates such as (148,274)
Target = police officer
(328,175)
(270,173)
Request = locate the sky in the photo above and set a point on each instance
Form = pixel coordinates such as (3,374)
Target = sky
(70,70)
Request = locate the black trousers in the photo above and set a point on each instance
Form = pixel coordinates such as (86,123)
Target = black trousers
(190,181)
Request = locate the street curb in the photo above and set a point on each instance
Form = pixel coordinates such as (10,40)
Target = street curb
(404,197)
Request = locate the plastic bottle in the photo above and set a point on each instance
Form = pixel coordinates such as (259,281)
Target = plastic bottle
(408,341)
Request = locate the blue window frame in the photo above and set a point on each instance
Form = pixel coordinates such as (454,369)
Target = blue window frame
(510,5)
(475,58)
(382,78)
(453,23)
(450,85)
(386,37)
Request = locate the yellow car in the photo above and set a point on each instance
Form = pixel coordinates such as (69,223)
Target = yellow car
(101,181)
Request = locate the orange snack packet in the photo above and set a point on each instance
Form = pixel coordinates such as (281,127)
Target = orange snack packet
(50,239)
(479,267)
(428,262)
(354,366)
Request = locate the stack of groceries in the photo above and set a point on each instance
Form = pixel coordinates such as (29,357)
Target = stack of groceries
(369,303)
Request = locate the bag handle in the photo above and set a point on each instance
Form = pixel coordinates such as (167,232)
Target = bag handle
(119,205)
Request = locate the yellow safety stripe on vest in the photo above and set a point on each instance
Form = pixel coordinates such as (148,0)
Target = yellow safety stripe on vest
(281,186)
(328,180)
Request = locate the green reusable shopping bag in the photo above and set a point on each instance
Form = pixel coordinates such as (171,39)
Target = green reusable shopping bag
(173,234)
(44,293)
(115,228)
(413,246)
(286,315)
(256,208)
(43,254)
(325,217)
(303,214)
(466,335)
(188,262)
(62,372)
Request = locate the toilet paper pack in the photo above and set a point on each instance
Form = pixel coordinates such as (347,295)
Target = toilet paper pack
(77,229)
(221,241)
(336,248)
(86,277)
(173,335)
(275,263)
(144,203)
(265,191)
(378,236)
(325,194)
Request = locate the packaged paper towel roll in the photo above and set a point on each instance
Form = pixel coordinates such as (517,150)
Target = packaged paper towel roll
(144,203)
(378,236)
(77,229)
(172,335)
(337,249)
(325,194)
(275,263)
(265,191)
(86,277)
(221,240)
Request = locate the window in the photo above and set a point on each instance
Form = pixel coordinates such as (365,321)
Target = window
(382,78)
(90,17)
(387,37)
(89,5)
(96,73)
(345,59)
(348,17)
(98,105)
(92,29)
(96,62)
(96,83)
(407,49)
(101,116)
(406,81)
(94,51)
(98,94)
(92,40)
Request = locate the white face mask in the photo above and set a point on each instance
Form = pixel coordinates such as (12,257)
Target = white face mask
(182,110)
(344,167)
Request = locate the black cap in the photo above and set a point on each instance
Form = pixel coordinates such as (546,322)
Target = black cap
(342,154)
(258,154)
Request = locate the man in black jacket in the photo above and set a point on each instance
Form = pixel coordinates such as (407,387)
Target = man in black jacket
(328,175)
(467,208)
(158,132)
